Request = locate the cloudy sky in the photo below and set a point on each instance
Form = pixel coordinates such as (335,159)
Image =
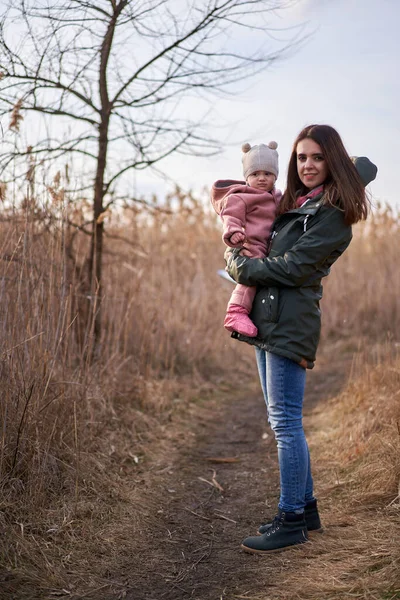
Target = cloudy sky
(346,74)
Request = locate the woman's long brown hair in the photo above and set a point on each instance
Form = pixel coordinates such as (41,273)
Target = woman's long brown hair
(343,187)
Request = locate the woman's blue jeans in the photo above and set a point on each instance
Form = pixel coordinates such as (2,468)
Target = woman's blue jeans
(283,382)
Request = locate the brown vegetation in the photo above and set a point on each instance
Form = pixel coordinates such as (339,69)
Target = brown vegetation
(74,430)
(355,440)
(363,291)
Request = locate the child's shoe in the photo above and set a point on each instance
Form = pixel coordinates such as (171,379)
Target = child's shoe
(237,319)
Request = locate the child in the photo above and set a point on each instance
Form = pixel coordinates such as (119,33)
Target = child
(247,210)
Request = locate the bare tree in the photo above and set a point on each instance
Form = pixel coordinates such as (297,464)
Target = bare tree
(108,78)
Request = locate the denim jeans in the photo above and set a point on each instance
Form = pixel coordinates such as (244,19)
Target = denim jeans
(283,382)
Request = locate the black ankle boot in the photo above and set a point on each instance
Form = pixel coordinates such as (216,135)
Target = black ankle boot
(311,515)
(287,529)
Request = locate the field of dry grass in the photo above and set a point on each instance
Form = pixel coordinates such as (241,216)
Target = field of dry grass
(355,439)
(362,292)
(161,331)
(71,429)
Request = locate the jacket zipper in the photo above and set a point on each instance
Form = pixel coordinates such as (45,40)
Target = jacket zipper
(271,237)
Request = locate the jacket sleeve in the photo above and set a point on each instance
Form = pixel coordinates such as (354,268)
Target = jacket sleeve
(326,237)
(234,218)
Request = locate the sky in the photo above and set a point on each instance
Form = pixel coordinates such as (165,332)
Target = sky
(346,74)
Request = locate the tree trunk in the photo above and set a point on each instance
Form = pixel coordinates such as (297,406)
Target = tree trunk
(96,250)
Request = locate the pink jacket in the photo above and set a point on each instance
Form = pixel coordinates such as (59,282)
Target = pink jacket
(243,208)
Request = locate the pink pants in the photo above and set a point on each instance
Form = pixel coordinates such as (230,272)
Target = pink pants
(243,295)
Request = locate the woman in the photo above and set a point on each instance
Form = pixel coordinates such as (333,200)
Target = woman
(325,196)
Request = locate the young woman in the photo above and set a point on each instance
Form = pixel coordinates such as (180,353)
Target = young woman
(325,195)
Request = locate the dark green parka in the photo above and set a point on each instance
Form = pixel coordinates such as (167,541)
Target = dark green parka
(305,243)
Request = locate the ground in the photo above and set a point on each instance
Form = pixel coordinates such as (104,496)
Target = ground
(220,484)
(169,526)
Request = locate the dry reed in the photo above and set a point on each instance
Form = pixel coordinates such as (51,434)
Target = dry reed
(356,449)
(363,289)
(68,425)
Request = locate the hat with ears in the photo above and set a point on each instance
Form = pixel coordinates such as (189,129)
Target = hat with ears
(260,158)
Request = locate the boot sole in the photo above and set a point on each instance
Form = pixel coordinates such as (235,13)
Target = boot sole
(254,551)
(320,530)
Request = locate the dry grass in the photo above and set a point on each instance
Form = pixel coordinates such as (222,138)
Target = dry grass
(356,442)
(71,430)
(361,294)
(163,306)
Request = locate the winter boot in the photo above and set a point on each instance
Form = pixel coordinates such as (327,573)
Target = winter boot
(237,319)
(311,515)
(287,529)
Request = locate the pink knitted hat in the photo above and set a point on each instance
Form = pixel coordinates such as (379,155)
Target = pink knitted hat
(260,158)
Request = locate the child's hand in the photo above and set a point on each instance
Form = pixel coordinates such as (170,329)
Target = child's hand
(237,238)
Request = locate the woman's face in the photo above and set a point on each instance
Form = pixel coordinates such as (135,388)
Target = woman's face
(311,164)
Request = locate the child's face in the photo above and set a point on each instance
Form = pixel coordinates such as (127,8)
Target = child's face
(262,180)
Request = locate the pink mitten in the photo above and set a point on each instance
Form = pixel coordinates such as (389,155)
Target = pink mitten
(237,238)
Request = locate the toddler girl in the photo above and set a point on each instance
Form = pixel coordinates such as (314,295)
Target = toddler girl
(247,210)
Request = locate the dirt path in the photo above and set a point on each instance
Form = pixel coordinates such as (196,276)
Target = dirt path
(203,507)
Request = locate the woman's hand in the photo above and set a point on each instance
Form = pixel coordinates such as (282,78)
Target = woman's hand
(232,257)
(229,253)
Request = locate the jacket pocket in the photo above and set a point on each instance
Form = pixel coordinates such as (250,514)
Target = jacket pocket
(270,304)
